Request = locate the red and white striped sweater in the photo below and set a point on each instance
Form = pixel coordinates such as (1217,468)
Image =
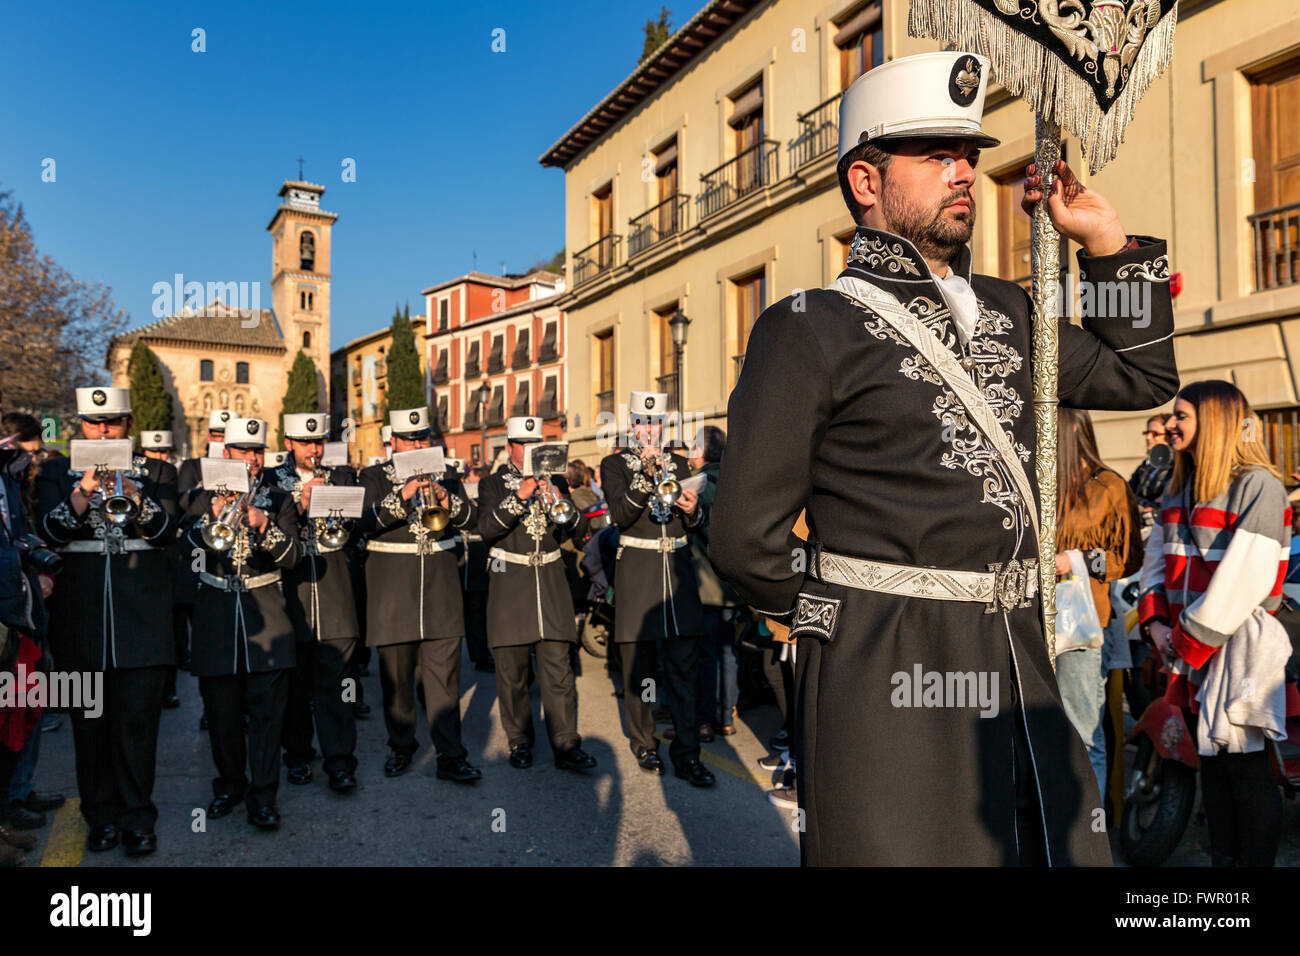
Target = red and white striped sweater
(1208,566)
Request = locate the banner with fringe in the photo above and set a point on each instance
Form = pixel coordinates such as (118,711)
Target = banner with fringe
(1082,63)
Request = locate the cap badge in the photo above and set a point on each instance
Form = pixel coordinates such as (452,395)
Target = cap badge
(157,438)
(225,416)
(964,81)
(311,424)
(649,402)
(528,424)
(252,426)
(415,418)
(98,397)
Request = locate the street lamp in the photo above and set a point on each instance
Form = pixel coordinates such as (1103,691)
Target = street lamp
(677,325)
(484,393)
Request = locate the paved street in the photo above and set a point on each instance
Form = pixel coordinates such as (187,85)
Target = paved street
(617,814)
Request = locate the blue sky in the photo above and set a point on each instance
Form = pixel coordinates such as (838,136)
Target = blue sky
(168,160)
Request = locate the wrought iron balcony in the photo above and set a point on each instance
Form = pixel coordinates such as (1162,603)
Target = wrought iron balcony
(549,410)
(595,259)
(521,358)
(657,223)
(739,362)
(735,179)
(605,401)
(1277,246)
(668,383)
(472,368)
(819,133)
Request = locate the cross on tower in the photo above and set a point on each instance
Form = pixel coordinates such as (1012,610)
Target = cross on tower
(300,169)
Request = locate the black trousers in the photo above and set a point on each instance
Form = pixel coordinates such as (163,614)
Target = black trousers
(557,686)
(780,674)
(316,690)
(681,663)
(476,639)
(265,695)
(117,750)
(436,664)
(181,616)
(1243,809)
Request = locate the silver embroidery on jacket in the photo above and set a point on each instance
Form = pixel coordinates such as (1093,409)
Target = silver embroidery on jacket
(1157,269)
(874,252)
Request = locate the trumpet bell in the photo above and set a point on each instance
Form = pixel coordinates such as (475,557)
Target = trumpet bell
(562,512)
(333,533)
(435,518)
(119,509)
(668,491)
(219,536)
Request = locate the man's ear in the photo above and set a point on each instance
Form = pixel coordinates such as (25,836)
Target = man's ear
(864,183)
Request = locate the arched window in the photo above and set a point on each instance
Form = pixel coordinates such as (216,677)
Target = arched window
(205,370)
(307,251)
(241,373)
(239,405)
(306,340)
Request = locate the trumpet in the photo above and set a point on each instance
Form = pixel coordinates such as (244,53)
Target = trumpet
(558,509)
(433,516)
(118,508)
(331,531)
(667,490)
(219,535)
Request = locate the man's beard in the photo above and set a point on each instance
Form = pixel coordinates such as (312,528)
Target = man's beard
(935,236)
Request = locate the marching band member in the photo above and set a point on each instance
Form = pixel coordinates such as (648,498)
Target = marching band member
(324,611)
(158,446)
(655,584)
(113,618)
(190,472)
(530,607)
(413,604)
(243,636)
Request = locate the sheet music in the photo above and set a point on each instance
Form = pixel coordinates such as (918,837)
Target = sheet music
(336,453)
(215,448)
(694,483)
(333,499)
(421,461)
(224,474)
(100,454)
(550,458)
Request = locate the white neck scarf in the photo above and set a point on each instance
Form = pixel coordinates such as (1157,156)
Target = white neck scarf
(962,303)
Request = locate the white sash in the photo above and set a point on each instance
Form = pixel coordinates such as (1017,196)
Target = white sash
(954,376)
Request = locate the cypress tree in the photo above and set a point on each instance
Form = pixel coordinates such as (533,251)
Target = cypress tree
(405,381)
(151,403)
(300,394)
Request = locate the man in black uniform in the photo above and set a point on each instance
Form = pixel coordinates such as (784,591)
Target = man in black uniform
(529,604)
(413,603)
(655,588)
(243,637)
(895,408)
(158,446)
(190,474)
(473,580)
(113,614)
(324,612)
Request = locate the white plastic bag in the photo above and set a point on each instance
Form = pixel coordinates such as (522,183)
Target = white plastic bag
(1077,624)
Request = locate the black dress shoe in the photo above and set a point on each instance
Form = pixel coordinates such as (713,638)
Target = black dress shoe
(360,710)
(300,774)
(341,781)
(102,838)
(462,771)
(139,842)
(521,757)
(41,802)
(171,701)
(695,773)
(648,760)
(575,758)
(20,818)
(397,764)
(222,804)
(264,818)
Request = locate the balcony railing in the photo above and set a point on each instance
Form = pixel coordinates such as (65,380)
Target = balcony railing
(668,383)
(548,410)
(735,179)
(356,376)
(471,418)
(381,368)
(596,258)
(657,223)
(605,401)
(440,376)
(1277,247)
(496,362)
(521,358)
(819,133)
(472,368)
(739,362)
(548,352)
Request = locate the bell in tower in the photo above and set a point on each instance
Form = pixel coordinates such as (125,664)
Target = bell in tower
(307,252)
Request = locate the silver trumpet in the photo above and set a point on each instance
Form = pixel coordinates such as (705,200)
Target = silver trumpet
(118,508)
(334,530)
(219,535)
(667,490)
(558,509)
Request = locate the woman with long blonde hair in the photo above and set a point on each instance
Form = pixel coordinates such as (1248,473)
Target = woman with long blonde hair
(1217,555)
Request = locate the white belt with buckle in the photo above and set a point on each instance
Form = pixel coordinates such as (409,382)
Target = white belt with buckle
(652,544)
(238,583)
(533,558)
(1003,586)
(409,547)
(98,546)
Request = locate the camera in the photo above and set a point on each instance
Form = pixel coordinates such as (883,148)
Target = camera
(37,557)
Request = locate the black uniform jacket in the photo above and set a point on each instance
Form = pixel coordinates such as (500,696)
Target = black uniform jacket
(837,414)
(111,606)
(247,630)
(526,603)
(322,604)
(411,596)
(656,593)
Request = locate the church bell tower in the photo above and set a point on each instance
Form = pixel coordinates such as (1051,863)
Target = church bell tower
(300,275)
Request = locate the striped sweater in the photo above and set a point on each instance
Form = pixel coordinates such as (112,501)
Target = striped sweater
(1208,566)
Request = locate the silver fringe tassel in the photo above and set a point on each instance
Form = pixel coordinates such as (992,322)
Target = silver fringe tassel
(1038,75)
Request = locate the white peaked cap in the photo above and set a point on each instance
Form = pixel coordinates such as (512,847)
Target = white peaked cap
(219,418)
(409,421)
(524,428)
(100,402)
(927,96)
(155,441)
(246,433)
(648,404)
(307,426)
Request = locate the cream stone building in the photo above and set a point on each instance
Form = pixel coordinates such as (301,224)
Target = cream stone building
(219,355)
(705,183)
